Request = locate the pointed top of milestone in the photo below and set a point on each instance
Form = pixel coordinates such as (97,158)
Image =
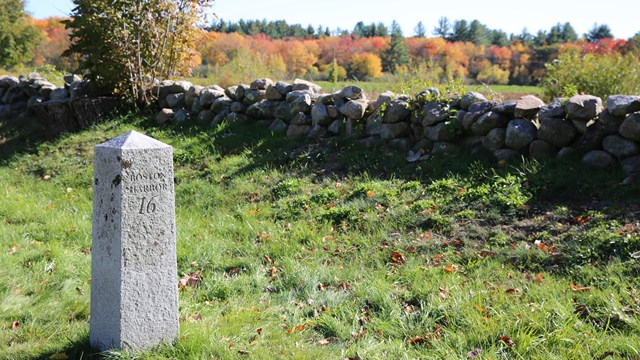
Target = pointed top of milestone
(133,140)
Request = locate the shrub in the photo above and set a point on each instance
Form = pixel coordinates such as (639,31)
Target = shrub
(125,45)
(594,74)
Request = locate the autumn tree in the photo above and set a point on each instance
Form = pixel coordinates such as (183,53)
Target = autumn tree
(17,38)
(365,66)
(397,52)
(125,45)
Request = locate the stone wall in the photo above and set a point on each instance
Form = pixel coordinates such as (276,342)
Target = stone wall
(427,124)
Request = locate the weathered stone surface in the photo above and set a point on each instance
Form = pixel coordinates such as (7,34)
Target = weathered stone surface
(505,155)
(195,106)
(620,147)
(352,92)
(598,159)
(540,149)
(384,98)
(470,98)
(609,121)
(236,118)
(631,165)
(397,110)
(336,127)
(320,115)
(468,118)
(46,90)
(434,112)
(527,107)
(278,126)
(393,130)
(163,116)
(220,117)
(494,140)
(520,133)
(554,109)
(621,105)
(481,106)
(253,96)
(180,116)
(179,87)
(175,100)
(283,111)
(293,95)
(284,88)
(301,119)
(134,295)
(261,110)
(69,78)
(567,153)
(301,104)
(354,109)
(487,122)
(7,81)
(440,132)
(506,108)
(373,126)
(208,96)
(205,117)
(299,84)
(584,107)
(557,132)
(230,92)
(219,104)
(272,93)
(592,139)
(298,130)
(238,107)
(193,92)
(59,94)
(630,127)
(261,84)
(318,132)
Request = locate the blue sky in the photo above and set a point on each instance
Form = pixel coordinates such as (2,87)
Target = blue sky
(508,15)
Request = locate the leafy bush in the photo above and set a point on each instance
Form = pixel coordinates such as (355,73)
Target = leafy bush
(125,45)
(595,74)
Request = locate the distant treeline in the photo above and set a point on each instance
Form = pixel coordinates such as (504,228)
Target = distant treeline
(458,30)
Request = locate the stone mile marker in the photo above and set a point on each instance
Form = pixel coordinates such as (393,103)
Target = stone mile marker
(134,289)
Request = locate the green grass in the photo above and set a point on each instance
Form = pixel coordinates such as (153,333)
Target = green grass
(331,249)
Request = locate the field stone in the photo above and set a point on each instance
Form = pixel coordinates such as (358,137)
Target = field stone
(397,111)
(238,107)
(205,117)
(439,132)
(299,84)
(592,139)
(59,94)
(384,98)
(520,133)
(175,100)
(272,93)
(134,295)
(528,106)
(301,104)
(354,109)
(336,127)
(470,98)
(352,92)
(230,92)
(631,165)
(506,108)
(7,81)
(320,115)
(278,126)
(494,140)
(220,104)
(583,107)
(620,147)
(300,119)
(598,159)
(252,96)
(487,122)
(390,131)
(164,116)
(502,155)
(283,87)
(193,92)
(195,106)
(540,149)
(318,132)
(373,126)
(181,116)
(208,96)
(434,112)
(261,84)
(621,105)
(567,153)
(555,109)
(558,132)
(298,130)
(609,121)
(630,127)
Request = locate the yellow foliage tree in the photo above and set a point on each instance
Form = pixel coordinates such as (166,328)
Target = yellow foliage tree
(365,65)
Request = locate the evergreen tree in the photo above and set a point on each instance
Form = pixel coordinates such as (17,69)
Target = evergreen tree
(478,33)
(568,33)
(598,32)
(358,30)
(419,30)
(460,31)
(381,30)
(443,28)
(397,52)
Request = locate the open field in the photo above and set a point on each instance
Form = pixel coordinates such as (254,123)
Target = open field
(331,250)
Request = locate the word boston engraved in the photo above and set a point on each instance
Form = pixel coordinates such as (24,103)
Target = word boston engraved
(134,295)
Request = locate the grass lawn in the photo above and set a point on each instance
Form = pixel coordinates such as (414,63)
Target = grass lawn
(332,250)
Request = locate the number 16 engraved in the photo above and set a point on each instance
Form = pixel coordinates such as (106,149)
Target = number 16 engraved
(150,206)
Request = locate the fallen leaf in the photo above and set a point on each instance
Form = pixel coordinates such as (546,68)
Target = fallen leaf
(474,353)
(444,293)
(301,327)
(418,340)
(268,259)
(507,341)
(579,288)
(480,308)
(542,247)
(15,325)
(397,258)
(13,249)
(512,291)
(370,194)
(538,278)
(194,278)
(195,317)
(582,310)
(194,264)
(273,271)
(259,331)
(324,342)
(253,211)
(450,268)
(243,352)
